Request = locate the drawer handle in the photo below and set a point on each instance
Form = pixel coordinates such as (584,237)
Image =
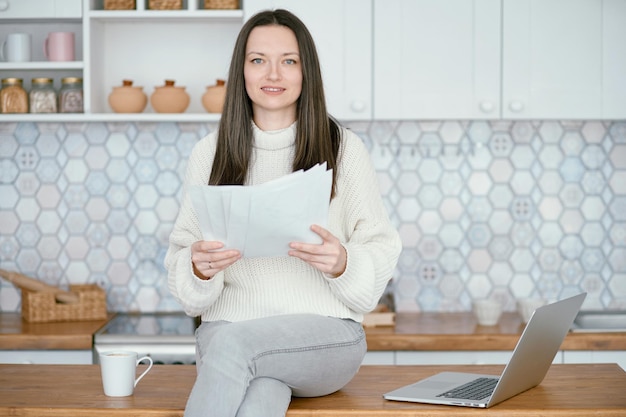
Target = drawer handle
(516,106)
(486,106)
(358,106)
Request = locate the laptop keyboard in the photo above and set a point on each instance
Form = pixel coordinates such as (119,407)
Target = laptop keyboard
(474,390)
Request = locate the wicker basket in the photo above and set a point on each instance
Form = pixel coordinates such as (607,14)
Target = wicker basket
(41,307)
(119,4)
(165,4)
(221,4)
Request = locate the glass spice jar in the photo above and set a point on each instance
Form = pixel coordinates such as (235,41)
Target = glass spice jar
(43,98)
(13,97)
(71,95)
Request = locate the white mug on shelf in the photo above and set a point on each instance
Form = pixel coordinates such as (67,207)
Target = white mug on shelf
(16,48)
(118,369)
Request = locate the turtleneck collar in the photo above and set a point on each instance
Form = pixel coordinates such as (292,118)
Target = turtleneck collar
(274,139)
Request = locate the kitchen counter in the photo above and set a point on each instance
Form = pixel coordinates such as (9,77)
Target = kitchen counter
(76,390)
(413,331)
(460,331)
(16,333)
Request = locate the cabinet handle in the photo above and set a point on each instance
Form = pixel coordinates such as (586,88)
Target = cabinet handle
(4,5)
(486,106)
(516,106)
(358,106)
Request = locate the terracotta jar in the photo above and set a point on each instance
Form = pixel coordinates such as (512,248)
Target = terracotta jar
(169,98)
(128,99)
(213,98)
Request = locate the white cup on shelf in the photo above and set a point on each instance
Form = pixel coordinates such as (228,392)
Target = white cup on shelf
(16,48)
(487,311)
(527,306)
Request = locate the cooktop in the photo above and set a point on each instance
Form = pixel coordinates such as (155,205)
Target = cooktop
(147,325)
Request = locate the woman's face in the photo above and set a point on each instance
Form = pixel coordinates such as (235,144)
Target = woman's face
(273,73)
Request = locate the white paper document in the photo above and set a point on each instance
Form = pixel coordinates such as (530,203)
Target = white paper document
(261,220)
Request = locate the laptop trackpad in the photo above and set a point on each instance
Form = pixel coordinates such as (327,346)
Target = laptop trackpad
(436,385)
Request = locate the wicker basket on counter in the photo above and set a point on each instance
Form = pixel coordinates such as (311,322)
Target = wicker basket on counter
(165,4)
(119,5)
(42,307)
(221,4)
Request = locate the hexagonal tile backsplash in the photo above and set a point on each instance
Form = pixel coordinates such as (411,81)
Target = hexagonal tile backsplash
(485,209)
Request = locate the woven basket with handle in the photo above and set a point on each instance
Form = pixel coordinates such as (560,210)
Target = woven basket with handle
(41,307)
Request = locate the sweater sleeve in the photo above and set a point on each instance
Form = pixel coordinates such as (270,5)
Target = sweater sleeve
(372,244)
(195,295)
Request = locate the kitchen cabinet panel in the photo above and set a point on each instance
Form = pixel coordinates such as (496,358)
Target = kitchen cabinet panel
(596,356)
(614,59)
(552,59)
(342,32)
(436,59)
(495,357)
(48,357)
(20,9)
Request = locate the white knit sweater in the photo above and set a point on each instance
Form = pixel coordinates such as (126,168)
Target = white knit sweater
(260,287)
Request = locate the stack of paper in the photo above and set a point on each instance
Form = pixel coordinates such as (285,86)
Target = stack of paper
(261,220)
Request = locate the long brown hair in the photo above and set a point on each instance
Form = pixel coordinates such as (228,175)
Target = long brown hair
(318,135)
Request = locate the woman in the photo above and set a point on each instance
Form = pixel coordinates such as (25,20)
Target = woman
(273,327)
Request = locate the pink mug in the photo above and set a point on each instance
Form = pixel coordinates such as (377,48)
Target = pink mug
(59,46)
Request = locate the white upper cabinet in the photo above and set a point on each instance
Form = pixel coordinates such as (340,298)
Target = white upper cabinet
(564,59)
(342,30)
(614,59)
(437,59)
(552,59)
(20,9)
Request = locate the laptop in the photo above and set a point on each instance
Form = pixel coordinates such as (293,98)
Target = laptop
(538,345)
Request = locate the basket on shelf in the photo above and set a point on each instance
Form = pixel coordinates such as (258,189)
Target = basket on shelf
(42,307)
(119,4)
(221,4)
(165,4)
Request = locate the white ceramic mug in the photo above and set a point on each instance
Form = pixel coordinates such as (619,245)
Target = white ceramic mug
(527,306)
(487,312)
(59,46)
(16,48)
(118,370)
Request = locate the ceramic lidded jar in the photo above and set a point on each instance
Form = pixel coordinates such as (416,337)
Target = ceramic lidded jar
(213,98)
(169,98)
(127,98)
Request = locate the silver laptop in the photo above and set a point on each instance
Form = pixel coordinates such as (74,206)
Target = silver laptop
(532,357)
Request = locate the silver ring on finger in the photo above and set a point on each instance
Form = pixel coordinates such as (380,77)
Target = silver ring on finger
(210,266)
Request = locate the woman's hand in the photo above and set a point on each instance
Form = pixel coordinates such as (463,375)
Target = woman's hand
(329,257)
(207,258)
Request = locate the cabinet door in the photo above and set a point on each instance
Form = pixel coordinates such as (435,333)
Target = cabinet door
(436,59)
(342,33)
(20,9)
(614,59)
(596,356)
(552,59)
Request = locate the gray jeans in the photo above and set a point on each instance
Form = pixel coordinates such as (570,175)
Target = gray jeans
(252,368)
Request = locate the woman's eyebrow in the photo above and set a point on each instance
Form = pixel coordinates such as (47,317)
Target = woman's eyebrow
(263,54)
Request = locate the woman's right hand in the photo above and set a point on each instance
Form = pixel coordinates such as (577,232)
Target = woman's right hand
(207,258)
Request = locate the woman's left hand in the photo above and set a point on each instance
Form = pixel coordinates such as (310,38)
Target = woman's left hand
(329,257)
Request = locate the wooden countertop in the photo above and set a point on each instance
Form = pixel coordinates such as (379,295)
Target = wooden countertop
(76,391)
(16,333)
(413,331)
(460,331)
